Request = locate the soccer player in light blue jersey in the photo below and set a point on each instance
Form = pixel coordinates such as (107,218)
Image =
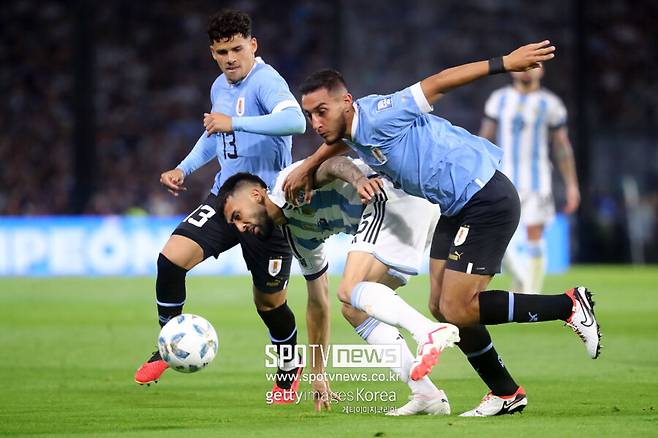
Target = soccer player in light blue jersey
(429,157)
(248,128)
(391,234)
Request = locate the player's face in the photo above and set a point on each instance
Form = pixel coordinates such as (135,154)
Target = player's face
(246,210)
(327,113)
(235,56)
(530,77)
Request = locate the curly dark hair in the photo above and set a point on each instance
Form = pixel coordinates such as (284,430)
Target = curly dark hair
(327,78)
(227,23)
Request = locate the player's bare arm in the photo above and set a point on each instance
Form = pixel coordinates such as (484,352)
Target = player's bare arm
(344,169)
(318,326)
(217,122)
(524,58)
(173,181)
(301,178)
(488,129)
(567,165)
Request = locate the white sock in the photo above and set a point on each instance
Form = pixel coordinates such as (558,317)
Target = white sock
(382,303)
(375,332)
(514,265)
(537,265)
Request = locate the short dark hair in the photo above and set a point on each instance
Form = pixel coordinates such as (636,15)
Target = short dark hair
(228,23)
(327,78)
(234,183)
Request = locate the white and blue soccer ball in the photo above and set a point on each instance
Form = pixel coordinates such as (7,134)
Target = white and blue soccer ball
(188,343)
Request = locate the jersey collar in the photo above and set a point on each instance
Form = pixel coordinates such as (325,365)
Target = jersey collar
(355,121)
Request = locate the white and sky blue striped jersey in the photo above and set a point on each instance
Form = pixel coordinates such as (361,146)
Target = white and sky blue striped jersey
(263,91)
(423,154)
(334,208)
(524,121)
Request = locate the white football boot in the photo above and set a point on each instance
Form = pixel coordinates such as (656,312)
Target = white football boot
(492,405)
(423,405)
(582,320)
(441,336)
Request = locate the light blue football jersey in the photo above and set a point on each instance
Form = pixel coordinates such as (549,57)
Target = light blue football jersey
(263,91)
(423,154)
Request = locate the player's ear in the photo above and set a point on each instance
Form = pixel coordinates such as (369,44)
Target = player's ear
(256,195)
(348,101)
(254,45)
(212,53)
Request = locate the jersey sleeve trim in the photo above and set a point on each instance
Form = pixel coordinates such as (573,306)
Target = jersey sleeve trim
(311,277)
(288,103)
(420,98)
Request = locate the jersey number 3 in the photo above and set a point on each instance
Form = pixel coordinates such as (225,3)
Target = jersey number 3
(230,146)
(204,212)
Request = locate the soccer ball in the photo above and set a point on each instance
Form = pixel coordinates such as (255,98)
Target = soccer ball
(188,343)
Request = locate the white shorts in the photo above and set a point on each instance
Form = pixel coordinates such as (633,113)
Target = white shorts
(536,208)
(397,229)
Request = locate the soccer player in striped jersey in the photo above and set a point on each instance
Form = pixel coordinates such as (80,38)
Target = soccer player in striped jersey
(522,119)
(391,233)
(249,128)
(429,157)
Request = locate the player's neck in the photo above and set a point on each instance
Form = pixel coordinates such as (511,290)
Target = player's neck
(527,88)
(349,115)
(275,212)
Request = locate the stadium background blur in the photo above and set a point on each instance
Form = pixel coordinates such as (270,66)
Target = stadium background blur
(100,98)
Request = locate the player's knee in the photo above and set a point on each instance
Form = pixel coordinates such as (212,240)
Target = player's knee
(183,252)
(345,291)
(269,301)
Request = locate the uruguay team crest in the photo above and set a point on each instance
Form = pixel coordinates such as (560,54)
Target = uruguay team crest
(274,267)
(239,106)
(461,235)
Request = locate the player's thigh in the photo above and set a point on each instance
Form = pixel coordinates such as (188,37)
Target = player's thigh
(200,235)
(269,261)
(359,266)
(537,210)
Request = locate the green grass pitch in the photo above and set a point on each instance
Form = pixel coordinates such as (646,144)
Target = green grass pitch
(70,348)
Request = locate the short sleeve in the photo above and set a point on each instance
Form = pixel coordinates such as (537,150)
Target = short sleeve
(493,105)
(557,113)
(273,92)
(392,113)
(312,260)
(276,193)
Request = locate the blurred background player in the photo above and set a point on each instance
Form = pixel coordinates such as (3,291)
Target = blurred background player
(523,119)
(391,234)
(248,129)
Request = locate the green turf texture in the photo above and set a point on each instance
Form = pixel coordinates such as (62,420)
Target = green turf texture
(70,348)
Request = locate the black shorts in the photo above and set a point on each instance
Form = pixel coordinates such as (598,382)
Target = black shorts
(268,260)
(475,239)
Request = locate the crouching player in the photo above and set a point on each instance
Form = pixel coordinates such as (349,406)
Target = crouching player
(391,233)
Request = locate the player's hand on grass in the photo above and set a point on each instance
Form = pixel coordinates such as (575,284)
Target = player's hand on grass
(173,181)
(573,199)
(323,395)
(298,181)
(217,122)
(529,56)
(368,188)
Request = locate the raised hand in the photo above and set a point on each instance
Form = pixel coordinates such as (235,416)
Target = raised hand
(529,56)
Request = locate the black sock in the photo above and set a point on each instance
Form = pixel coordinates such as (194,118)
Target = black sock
(283,331)
(169,289)
(476,344)
(499,307)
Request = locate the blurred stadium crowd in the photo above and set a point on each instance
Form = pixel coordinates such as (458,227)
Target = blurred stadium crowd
(151,74)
